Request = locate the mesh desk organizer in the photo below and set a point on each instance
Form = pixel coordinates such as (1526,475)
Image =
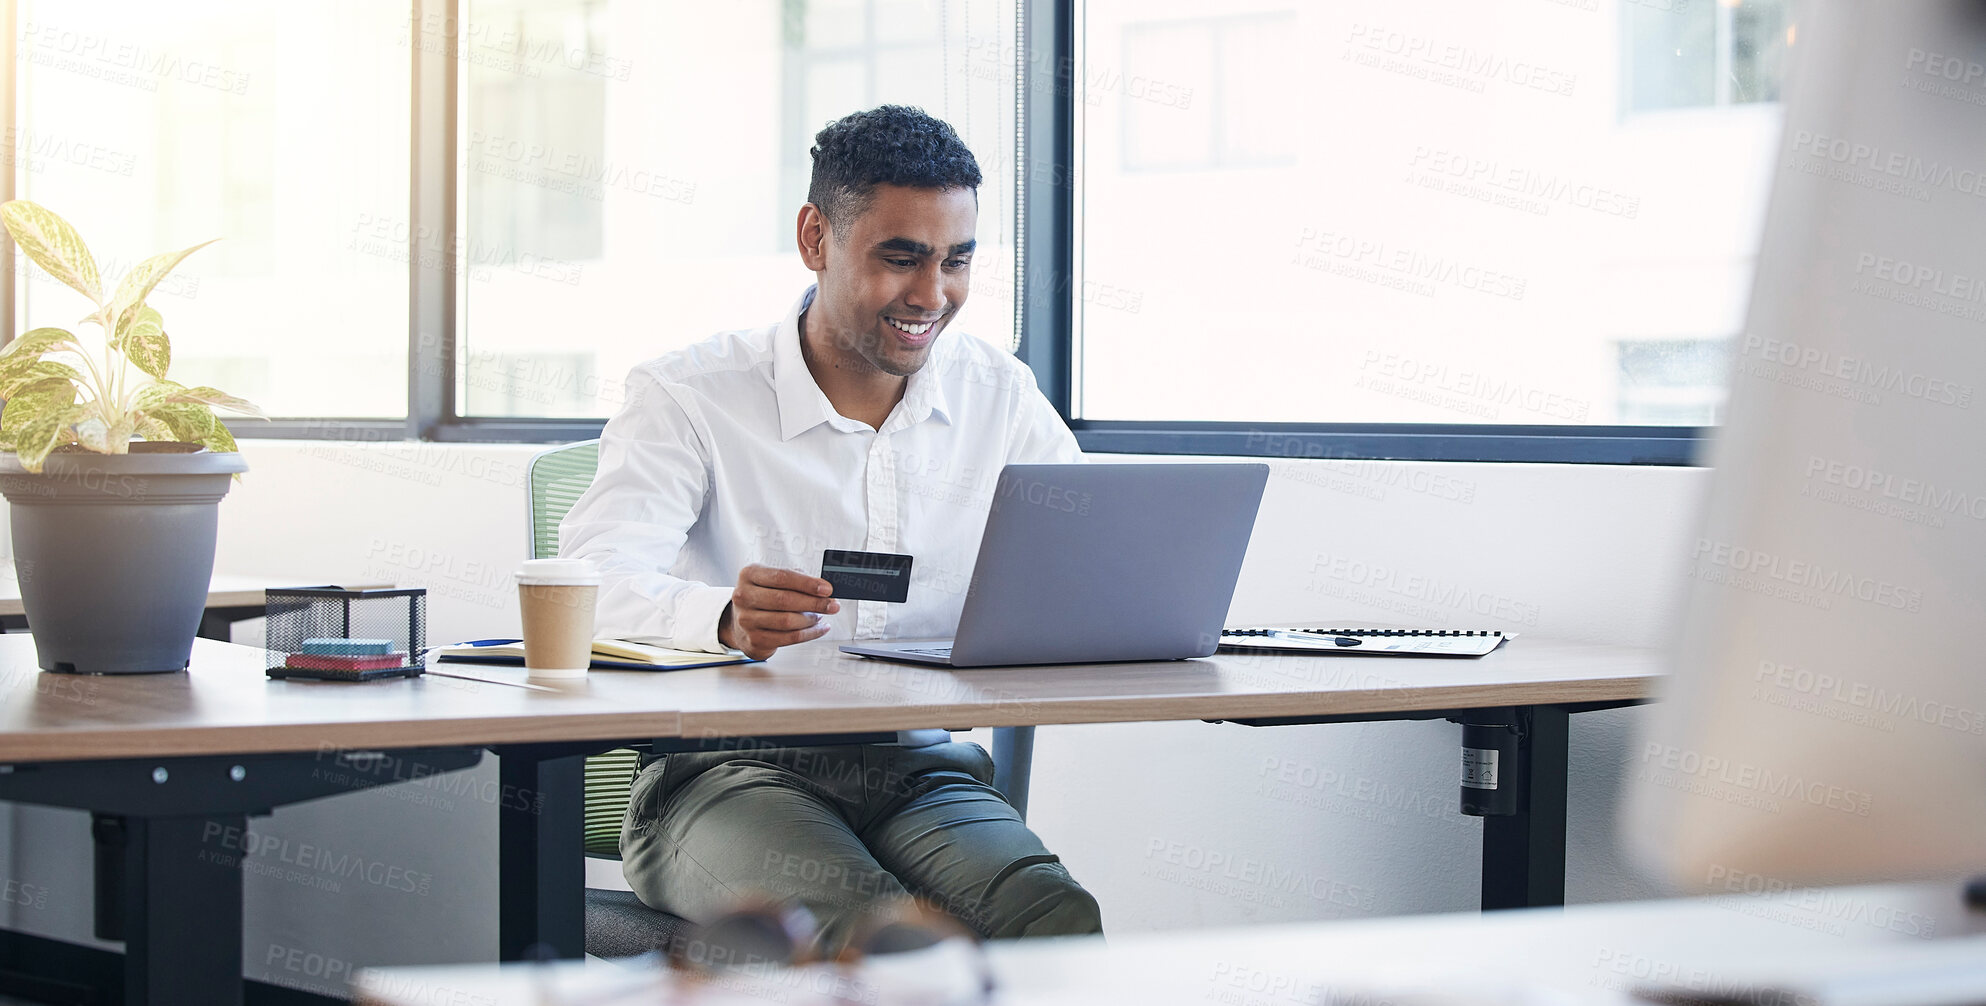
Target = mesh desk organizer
(346,635)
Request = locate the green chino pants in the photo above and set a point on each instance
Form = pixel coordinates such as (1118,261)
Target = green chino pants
(840,829)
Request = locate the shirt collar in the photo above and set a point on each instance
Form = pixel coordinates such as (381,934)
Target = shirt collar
(803,405)
(924,394)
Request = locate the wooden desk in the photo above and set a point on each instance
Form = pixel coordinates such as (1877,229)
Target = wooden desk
(226,591)
(193,753)
(171,766)
(1741,946)
(815,688)
(811,690)
(225,705)
(230,599)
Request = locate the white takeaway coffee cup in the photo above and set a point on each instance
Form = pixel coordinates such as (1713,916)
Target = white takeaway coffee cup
(555,597)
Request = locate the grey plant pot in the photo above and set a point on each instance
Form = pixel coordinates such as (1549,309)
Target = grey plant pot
(114,554)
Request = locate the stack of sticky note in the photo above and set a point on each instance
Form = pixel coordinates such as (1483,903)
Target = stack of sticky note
(347,655)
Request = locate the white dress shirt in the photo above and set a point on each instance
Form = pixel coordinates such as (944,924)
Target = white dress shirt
(727,453)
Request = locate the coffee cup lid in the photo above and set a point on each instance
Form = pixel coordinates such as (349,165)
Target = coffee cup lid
(557,572)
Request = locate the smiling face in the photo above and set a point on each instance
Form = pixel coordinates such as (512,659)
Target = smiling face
(891,278)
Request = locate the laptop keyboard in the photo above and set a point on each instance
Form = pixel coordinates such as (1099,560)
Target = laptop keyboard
(935,651)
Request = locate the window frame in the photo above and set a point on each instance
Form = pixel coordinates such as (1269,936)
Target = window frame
(1046,235)
(1048,341)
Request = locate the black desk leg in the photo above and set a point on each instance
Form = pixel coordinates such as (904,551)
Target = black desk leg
(182,903)
(218,623)
(216,626)
(541,902)
(1524,853)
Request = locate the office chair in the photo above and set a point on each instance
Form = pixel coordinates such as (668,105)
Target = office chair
(617,923)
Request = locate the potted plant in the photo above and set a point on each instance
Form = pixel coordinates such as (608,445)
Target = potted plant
(115,478)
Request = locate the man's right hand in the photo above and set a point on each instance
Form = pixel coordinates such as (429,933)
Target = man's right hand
(774,607)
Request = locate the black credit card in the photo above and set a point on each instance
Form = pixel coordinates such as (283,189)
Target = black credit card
(866,576)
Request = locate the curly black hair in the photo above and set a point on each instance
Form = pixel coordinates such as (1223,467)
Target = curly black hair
(886,145)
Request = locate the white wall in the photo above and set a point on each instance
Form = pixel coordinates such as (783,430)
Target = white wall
(1583,552)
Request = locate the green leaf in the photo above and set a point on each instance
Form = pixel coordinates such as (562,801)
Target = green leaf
(138,283)
(220,439)
(40,398)
(221,400)
(148,349)
(23,353)
(149,428)
(144,318)
(155,394)
(40,370)
(30,345)
(45,433)
(53,245)
(189,421)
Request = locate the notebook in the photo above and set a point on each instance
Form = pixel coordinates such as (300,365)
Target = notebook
(611,654)
(1368,642)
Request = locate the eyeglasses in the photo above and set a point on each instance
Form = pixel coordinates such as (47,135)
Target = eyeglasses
(906,953)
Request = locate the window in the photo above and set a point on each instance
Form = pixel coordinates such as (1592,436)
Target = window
(1689,53)
(1671,382)
(1405,226)
(152,127)
(1428,215)
(631,171)
(552,195)
(1225,125)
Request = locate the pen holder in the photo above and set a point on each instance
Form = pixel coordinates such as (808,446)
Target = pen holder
(345,635)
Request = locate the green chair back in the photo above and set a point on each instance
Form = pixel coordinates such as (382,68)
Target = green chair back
(556,479)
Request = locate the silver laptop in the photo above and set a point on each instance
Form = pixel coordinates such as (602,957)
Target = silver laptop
(1093,563)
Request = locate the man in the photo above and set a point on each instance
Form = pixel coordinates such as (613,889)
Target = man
(856,423)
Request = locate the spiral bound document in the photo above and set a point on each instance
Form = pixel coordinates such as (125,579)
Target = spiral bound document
(1366,642)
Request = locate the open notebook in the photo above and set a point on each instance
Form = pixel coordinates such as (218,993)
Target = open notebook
(611,654)
(1366,642)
